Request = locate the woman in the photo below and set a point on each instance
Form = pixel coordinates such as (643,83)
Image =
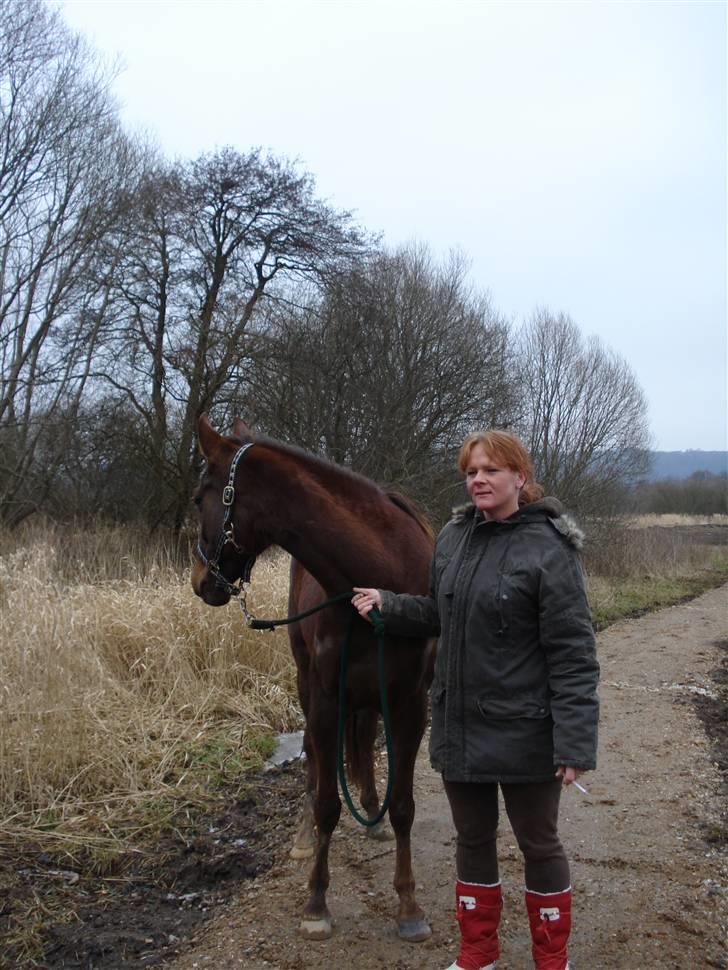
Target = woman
(514,699)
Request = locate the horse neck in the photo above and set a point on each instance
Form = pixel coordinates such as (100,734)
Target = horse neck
(317,514)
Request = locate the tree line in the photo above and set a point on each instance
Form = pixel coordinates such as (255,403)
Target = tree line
(702,493)
(137,293)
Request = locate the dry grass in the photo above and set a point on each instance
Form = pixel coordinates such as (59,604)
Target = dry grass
(624,551)
(630,570)
(119,688)
(670,520)
(123,697)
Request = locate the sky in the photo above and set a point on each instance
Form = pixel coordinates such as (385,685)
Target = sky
(575,152)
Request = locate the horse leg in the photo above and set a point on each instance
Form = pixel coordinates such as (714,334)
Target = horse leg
(366,735)
(407,729)
(305,840)
(316,922)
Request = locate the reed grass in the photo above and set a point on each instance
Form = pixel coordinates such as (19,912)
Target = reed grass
(119,687)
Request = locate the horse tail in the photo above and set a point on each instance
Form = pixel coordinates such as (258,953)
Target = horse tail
(360,733)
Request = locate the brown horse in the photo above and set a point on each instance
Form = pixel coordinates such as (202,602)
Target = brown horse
(341,530)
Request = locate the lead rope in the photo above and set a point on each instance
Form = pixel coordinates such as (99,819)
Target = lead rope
(378,624)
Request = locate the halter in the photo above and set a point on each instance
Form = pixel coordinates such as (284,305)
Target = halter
(227,535)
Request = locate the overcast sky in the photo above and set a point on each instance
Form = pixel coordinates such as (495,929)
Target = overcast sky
(575,151)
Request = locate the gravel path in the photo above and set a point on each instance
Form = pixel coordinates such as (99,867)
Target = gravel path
(649,867)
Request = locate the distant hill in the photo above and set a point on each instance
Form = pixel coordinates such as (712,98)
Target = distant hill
(682,464)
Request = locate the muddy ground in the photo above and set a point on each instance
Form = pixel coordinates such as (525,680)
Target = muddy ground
(648,846)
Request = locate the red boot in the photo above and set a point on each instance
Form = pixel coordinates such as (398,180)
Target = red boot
(478,913)
(549,915)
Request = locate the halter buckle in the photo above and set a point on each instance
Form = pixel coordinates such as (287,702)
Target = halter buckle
(228,495)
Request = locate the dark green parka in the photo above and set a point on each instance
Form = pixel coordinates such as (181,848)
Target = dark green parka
(515,686)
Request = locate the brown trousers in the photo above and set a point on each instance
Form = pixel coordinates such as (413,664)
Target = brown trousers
(533,811)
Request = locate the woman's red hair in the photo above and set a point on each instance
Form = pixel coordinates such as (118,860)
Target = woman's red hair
(507,450)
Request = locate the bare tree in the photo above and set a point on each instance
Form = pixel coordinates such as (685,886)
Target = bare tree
(387,372)
(104,471)
(207,241)
(585,415)
(65,169)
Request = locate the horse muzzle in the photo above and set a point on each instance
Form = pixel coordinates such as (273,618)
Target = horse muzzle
(212,587)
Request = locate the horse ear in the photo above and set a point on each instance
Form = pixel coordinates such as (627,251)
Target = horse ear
(241,430)
(209,440)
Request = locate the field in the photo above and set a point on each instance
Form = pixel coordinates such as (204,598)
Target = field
(129,711)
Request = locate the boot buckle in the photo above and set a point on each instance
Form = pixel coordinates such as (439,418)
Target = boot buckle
(550,913)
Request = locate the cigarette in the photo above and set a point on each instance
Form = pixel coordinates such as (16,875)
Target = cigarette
(581,788)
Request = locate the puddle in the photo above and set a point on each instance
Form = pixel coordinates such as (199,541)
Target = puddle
(289,748)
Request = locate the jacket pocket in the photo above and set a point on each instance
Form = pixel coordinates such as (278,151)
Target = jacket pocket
(438,696)
(505,708)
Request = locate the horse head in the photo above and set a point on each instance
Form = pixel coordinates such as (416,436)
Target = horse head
(228,540)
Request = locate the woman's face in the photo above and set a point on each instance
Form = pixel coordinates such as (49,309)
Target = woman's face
(492,487)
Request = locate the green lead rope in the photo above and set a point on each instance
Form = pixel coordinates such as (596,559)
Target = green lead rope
(378,624)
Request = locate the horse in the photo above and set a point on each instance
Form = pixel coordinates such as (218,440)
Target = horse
(341,530)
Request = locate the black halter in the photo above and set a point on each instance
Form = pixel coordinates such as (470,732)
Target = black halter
(227,534)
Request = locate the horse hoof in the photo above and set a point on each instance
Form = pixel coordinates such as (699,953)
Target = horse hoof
(381,832)
(301,852)
(315,929)
(414,930)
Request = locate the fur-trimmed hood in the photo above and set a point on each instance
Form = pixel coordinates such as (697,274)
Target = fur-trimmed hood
(545,508)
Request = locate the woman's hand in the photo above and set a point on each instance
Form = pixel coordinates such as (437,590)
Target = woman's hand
(366,599)
(567,774)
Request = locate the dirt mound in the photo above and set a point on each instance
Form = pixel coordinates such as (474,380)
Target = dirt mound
(141,911)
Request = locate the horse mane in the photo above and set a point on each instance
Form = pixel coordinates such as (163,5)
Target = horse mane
(323,468)
(407,505)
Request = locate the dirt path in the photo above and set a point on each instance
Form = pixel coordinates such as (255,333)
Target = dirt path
(650,887)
